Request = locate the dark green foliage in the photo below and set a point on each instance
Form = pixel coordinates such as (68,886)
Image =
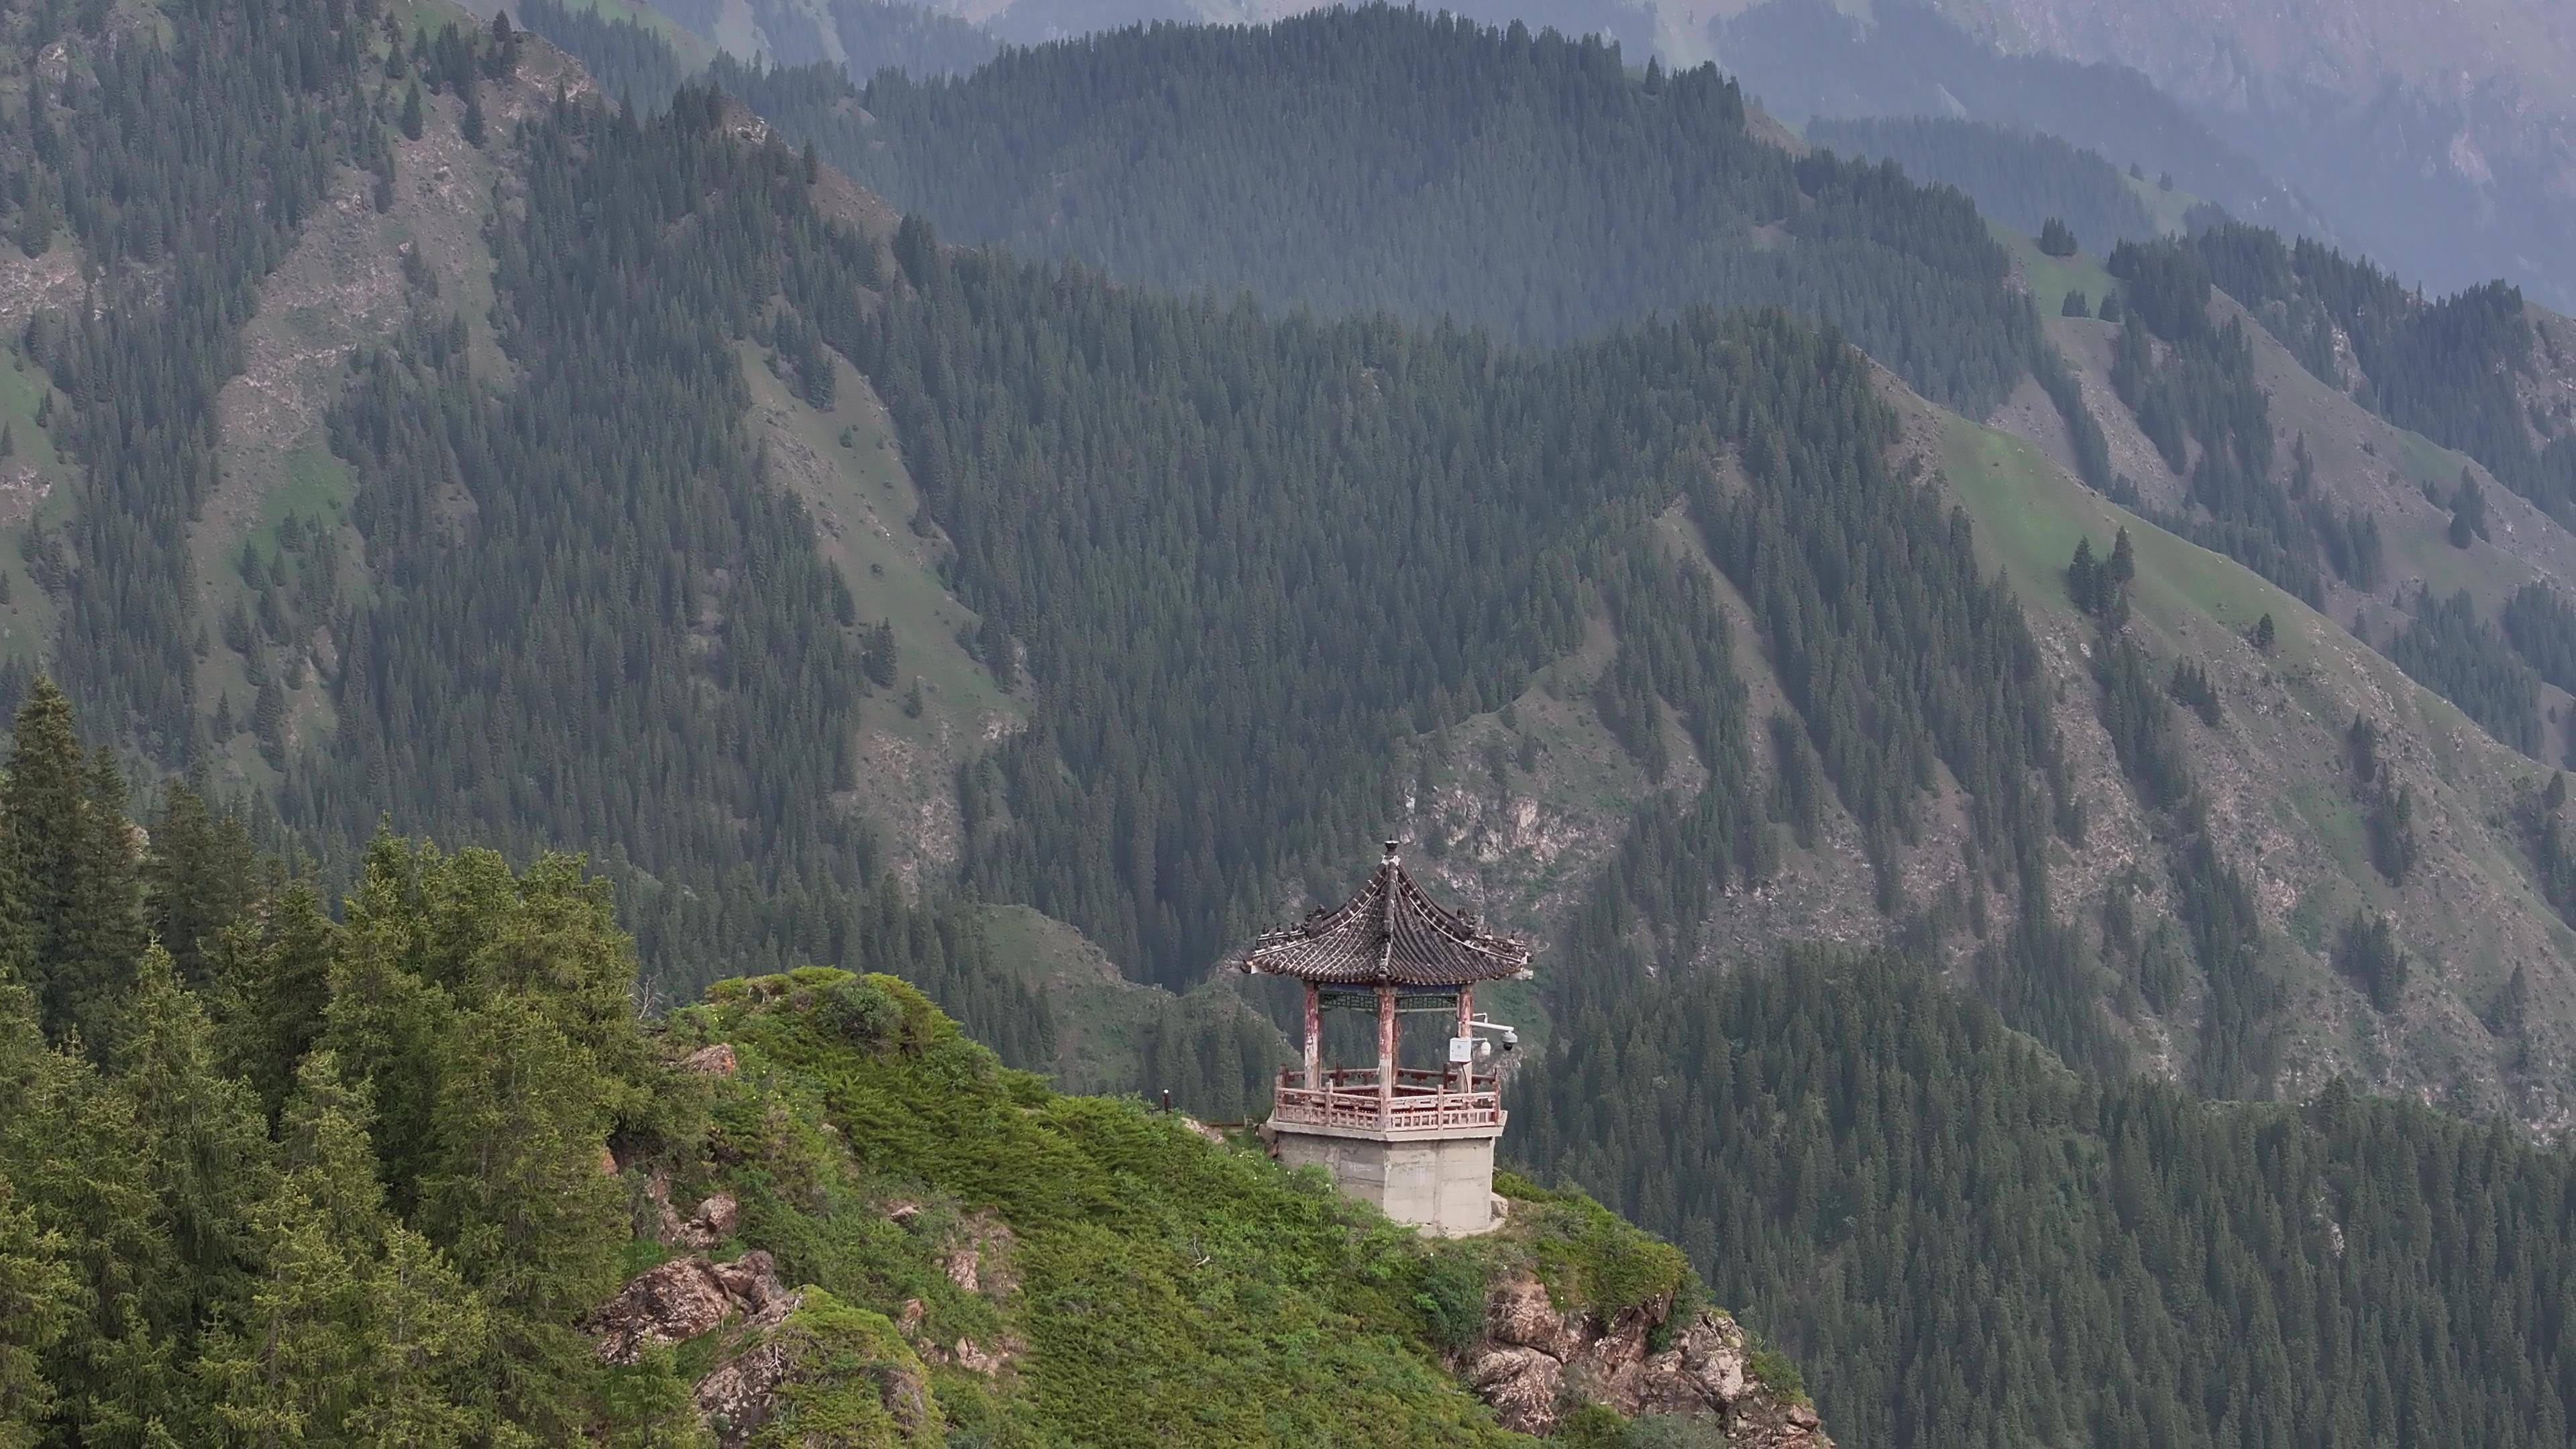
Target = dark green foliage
(2191,688)
(2541,626)
(2216,906)
(878,659)
(2101,589)
(2448,649)
(2388,807)
(2083,430)
(2350,540)
(2117,1241)
(2076,305)
(2265,633)
(2542,817)
(1357,159)
(2389,820)
(2361,750)
(2028,180)
(1162,858)
(2141,724)
(73,883)
(2366,952)
(469,689)
(2468,512)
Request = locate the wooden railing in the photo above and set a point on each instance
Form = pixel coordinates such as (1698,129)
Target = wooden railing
(1422,1100)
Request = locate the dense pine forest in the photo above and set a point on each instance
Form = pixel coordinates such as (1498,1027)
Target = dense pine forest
(1964,1243)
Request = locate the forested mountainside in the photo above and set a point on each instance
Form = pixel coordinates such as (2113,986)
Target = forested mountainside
(1386,158)
(268,1176)
(1964,1243)
(1554,792)
(560,474)
(2024,179)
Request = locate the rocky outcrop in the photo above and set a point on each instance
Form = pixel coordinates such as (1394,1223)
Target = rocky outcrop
(710,1061)
(1536,1362)
(685,1299)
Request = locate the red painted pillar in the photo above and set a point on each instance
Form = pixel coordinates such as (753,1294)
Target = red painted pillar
(1385,1049)
(1314,1036)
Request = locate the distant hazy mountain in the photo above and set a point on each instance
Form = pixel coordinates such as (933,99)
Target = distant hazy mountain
(2439,138)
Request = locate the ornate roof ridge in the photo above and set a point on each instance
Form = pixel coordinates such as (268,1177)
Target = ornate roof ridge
(1389,933)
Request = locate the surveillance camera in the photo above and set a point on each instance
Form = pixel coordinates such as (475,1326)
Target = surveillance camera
(1511,1038)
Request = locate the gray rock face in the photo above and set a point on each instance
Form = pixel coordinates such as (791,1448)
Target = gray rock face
(1536,1358)
(681,1300)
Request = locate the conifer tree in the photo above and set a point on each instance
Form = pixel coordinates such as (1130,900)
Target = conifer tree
(203,1138)
(414,113)
(272,974)
(75,857)
(197,878)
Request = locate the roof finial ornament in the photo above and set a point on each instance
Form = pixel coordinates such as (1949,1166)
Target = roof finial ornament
(1390,852)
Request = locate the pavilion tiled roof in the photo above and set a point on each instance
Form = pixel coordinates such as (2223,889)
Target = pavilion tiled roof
(1390,934)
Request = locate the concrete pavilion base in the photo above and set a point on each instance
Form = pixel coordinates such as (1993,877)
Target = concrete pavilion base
(1442,1184)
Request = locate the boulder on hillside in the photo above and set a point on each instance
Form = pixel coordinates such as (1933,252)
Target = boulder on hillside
(681,1300)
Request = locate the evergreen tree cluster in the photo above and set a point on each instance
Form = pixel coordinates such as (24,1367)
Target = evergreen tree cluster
(2541,626)
(596,619)
(270,1177)
(2366,952)
(2191,385)
(628,60)
(2245,987)
(2450,650)
(1963,1243)
(2387,804)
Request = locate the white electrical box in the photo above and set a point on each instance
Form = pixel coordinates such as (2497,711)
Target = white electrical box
(1462,1049)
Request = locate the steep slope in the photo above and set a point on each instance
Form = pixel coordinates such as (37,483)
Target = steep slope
(2284,808)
